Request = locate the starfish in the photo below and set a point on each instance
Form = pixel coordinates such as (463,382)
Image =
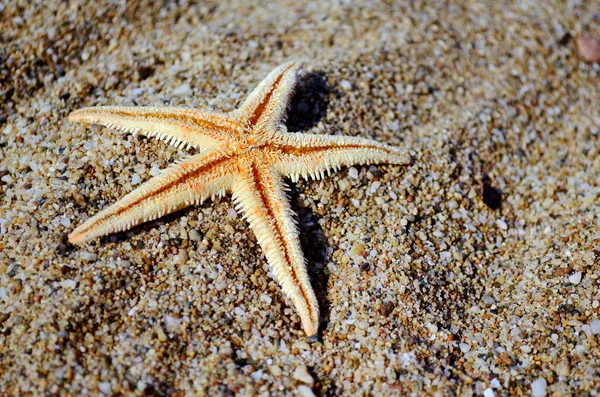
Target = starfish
(247,152)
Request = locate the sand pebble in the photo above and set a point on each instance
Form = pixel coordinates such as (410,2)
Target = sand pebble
(45,108)
(105,387)
(140,385)
(489,393)
(194,235)
(344,184)
(256,376)
(275,370)
(283,347)
(357,249)
(162,337)
(302,345)
(181,257)
(589,48)
(88,256)
(266,298)
(464,347)
(305,391)
(239,311)
(301,374)
(346,85)
(538,387)
(70,284)
(575,278)
(183,90)
(155,171)
(563,368)
(8,179)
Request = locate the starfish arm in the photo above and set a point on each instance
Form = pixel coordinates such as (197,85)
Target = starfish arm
(181,127)
(259,192)
(183,184)
(310,155)
(264,108)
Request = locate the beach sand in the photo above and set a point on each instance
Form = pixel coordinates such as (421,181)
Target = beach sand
(473,271)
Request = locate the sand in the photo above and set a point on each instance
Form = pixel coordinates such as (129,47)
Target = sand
(473,271)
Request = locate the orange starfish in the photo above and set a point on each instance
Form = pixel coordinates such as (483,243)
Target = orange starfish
(247,152)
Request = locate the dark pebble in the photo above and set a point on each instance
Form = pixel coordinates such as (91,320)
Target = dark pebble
(492,197)
(565,39)
(387,308)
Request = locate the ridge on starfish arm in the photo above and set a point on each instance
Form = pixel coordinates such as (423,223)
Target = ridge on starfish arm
(247,152)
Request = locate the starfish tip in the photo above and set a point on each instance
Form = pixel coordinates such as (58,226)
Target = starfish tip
(406,159)
(75,116)
(76,238)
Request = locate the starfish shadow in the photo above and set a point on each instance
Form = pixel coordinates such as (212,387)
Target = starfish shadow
(309,103)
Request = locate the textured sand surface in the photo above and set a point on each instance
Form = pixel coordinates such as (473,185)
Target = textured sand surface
(423,287)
